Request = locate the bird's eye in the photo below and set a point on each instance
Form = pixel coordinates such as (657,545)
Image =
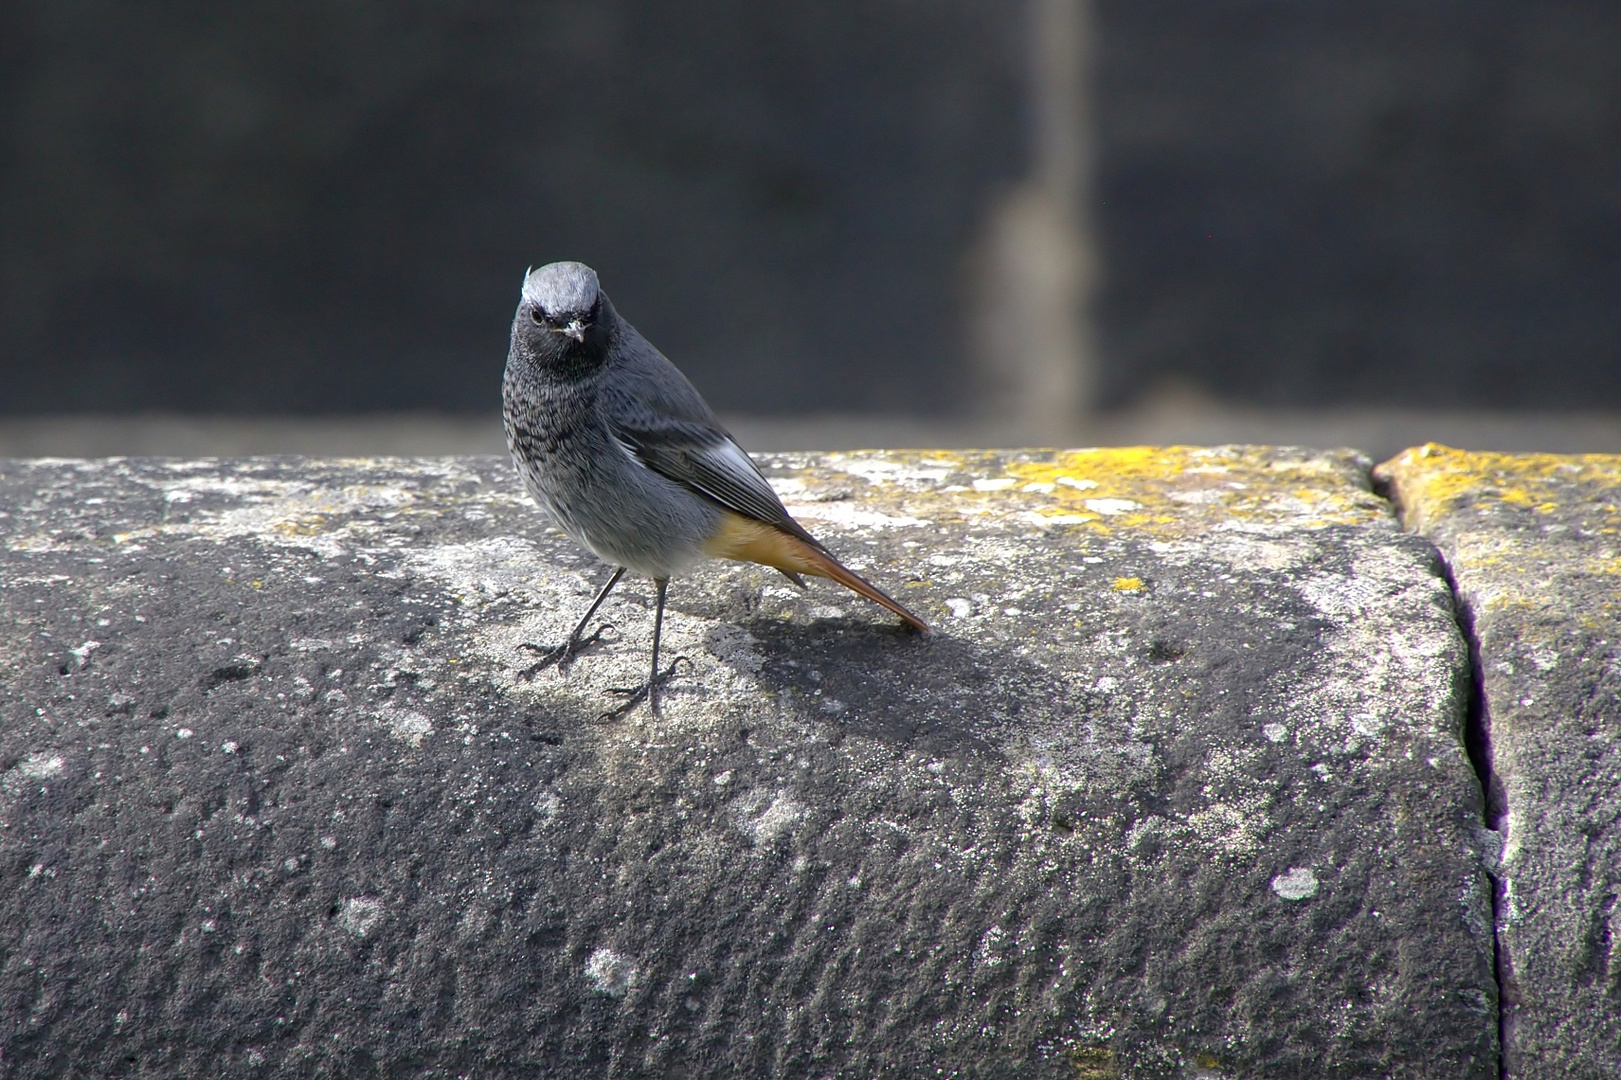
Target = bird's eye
(534,313)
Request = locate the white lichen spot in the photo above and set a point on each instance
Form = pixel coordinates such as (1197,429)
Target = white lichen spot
(1110,507)
(774,820)
(1296,883)
(1000,483)
(184,733)
(360,915)
(407,725)
(783,814)
(960,607)
(229,746)
(1234,829)
(1369,723)
(494,566)
(41,765)
(850,516)
(787,487)
(833,706)
(1202,497)
(991,944)
(82,653)
(1077,484)
(547,805)
(723,778)
(329,843)
(1275,732)
(886,471)
(611,973)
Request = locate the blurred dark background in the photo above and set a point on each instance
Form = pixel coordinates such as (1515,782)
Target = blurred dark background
(329,205)
(1379,201)
(326,206)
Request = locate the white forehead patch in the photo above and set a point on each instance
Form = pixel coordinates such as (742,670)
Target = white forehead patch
(561,288)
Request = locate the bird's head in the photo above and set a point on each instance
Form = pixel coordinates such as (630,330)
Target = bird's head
(564,319)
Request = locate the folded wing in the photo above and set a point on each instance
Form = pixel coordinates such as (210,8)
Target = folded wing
(707,460)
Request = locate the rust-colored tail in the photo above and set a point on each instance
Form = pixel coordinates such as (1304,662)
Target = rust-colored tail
(827,566)
(748,540)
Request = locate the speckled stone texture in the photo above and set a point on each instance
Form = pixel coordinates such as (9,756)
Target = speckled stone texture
(1176,789)
(1534,542)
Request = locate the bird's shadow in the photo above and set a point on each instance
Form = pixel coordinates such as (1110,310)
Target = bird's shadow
(933,693)
(944,693)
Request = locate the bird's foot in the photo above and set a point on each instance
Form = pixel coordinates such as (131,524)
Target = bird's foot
(648,691)
(561,655)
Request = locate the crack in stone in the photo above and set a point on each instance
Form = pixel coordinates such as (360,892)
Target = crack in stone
(1477,745)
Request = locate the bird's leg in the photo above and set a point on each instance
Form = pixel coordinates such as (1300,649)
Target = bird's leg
(564,654)
(656,679)
(663,585)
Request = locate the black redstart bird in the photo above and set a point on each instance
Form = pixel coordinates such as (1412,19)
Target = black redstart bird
(624,456)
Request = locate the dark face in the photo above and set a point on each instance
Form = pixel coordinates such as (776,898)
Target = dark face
(571,342)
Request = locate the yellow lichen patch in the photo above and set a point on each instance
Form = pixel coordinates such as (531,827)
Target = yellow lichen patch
(303,525)
(1128,584)
(1433,481)
(1173,488)
(1093,1063)
(1530,531)
(1171,492)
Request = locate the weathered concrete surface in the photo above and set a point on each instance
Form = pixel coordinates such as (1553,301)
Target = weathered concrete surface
(1534,543)
(1176,789)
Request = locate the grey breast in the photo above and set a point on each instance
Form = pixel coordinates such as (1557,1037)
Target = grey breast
(596,491)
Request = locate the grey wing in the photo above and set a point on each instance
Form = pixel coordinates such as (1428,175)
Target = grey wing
(664,423)
(710,462)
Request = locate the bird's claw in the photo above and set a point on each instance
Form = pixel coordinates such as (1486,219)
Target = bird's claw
(648,691)
(561,655)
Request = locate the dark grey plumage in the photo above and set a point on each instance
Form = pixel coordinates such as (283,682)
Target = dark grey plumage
(611,439)
(623,454)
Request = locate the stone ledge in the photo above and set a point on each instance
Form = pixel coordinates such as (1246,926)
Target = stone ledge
(1176,789)
(1532,541)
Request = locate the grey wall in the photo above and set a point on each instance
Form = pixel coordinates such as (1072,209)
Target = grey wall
(1369,202)
(327,206)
